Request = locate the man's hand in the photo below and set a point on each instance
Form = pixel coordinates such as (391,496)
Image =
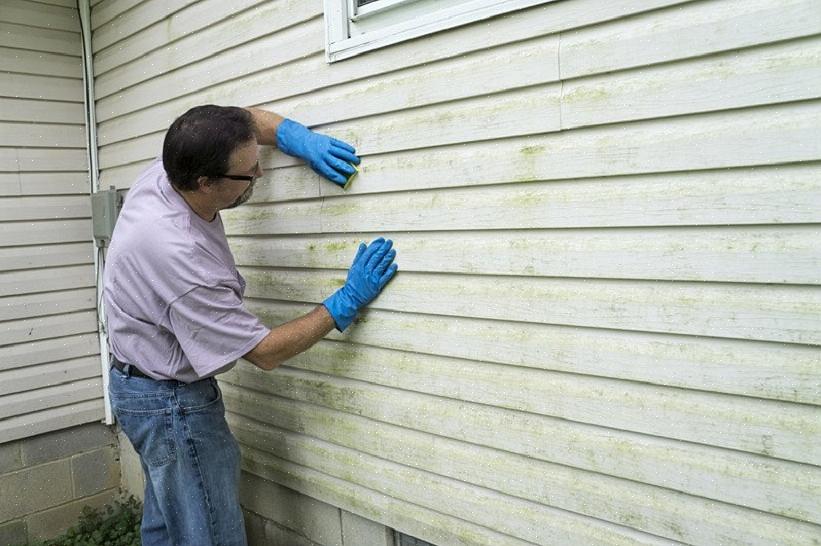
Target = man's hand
(327,156)
(372,268)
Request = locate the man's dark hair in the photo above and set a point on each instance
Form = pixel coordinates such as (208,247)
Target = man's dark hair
(200,142)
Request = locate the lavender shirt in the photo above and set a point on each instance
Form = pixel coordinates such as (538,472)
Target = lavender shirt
(172,293)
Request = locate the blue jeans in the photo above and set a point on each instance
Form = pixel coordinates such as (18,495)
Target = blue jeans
(190,459)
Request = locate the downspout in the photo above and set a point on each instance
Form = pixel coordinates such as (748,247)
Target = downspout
(94,176)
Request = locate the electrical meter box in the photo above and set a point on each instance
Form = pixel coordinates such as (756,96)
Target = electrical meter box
(105,206)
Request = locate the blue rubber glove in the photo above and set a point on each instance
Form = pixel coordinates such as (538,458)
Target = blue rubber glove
(327,156)
(371,270)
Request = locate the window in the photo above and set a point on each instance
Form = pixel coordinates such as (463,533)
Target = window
(356,26)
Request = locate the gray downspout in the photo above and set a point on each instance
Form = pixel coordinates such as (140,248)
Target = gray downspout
(91,133)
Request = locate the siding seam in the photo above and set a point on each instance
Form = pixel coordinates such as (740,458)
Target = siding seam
(561,78)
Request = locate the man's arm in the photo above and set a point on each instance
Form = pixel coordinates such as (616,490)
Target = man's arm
(290,339)
(327,156)
(371,270)
(265,126)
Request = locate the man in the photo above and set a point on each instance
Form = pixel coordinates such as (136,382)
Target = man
(173,298)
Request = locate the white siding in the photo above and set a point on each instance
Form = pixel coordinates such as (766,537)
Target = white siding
(49,353)
(605,329)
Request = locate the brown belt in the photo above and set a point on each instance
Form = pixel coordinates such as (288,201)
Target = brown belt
(127,369)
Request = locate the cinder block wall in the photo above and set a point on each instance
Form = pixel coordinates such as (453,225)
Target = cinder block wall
(46,480)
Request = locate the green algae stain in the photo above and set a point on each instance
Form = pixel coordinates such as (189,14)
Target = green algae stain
(586,94)
(336,246)
(532,150)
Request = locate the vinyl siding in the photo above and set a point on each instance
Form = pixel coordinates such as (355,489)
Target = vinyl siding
(605,328)
(49,352)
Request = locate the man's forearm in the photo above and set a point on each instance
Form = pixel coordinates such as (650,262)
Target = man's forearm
(290,339)
(265,126)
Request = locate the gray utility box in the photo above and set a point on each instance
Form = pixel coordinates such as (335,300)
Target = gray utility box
(105,206)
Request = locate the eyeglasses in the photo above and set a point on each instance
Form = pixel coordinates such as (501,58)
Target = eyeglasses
(246,178)
(238,177)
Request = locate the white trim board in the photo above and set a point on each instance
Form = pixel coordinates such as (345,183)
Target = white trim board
(350,33)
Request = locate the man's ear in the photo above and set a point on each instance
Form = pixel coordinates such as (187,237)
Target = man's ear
(204,184)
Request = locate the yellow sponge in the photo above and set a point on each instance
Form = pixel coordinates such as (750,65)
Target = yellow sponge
(350,178)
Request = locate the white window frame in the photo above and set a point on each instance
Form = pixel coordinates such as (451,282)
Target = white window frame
(351,31)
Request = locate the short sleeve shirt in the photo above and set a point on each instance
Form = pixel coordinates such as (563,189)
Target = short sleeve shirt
(171,289)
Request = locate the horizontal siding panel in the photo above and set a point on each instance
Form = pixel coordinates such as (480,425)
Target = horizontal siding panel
(408,517)
(142,15)
(757,137)
(34,183)
(45,232)
(105,11)
(40,422)
(766,313)
(726,81)
(44,183)
(755,254)
(783,194)
(509,435)
(694,29)
(122,177)
(290,184)
(44,280)
(54,326)
(136,150)
(40,111)
(34,62)
(190,21)
(337,102)
(277,49)
(418,52)
(533,62)
(397,92)
(49,350)
(42,135)
(9,184)
(45,208)
(695,468)
(222,34)
(286,218)
(734,422)
(24,86)
(48,303)
(48,375)
(518,518)
(40,15)
(63,3)
(40,39)
(14,258)
(42,159)
(765,370)
(50,397)
(646,507)
(784,72)
(516,113)
(34,329)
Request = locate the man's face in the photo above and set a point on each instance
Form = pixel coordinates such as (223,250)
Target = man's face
(244,161)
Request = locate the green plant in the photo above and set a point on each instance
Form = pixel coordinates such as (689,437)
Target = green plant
(112,526)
